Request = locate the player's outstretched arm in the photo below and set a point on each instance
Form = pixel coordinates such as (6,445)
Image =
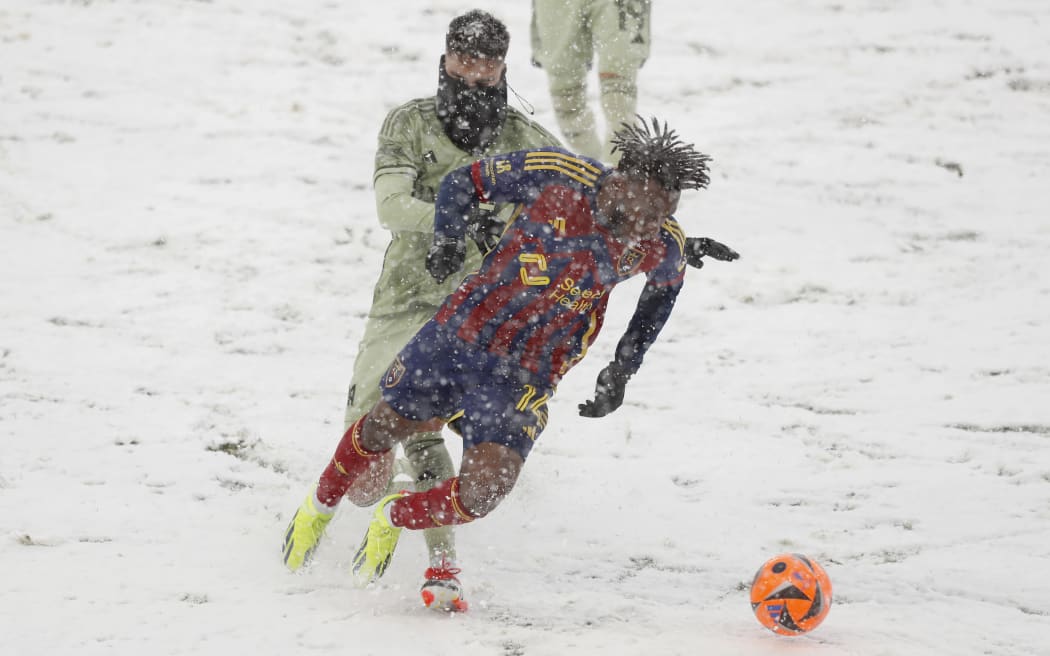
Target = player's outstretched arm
(650,315)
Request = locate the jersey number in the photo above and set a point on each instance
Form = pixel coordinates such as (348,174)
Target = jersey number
(541,264)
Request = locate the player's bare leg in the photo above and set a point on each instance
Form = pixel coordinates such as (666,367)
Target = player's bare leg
(486,476)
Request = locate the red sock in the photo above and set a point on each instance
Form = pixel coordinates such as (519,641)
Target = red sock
(349,461)
(440,506)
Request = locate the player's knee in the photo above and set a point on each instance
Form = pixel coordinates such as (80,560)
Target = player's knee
(481,492)
(421,445)
(383,428)
(615,82)
(478,503)
(569,96)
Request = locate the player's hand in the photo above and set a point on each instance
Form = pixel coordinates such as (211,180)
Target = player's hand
(484,227)
(445,257)
(696,248)
(608,392)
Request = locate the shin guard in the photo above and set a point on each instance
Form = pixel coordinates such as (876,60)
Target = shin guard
(348,463)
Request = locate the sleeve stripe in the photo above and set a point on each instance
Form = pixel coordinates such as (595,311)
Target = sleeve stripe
(394,117)
(539,136)
(551,154)
(391,120)
(567,172)
(406,171)
(676,233)
(574,166)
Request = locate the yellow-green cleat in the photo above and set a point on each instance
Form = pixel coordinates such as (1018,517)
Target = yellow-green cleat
(376,550)
(304,532)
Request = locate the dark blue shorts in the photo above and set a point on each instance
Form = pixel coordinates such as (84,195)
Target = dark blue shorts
(485,398)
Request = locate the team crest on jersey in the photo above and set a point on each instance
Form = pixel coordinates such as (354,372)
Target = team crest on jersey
(394,373)
(630,261)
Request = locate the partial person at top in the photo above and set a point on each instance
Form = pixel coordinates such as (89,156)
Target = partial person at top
(567,37)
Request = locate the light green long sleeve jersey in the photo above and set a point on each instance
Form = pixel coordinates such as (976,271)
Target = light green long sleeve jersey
(412,157)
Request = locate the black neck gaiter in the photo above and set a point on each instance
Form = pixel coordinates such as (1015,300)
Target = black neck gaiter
(471,116)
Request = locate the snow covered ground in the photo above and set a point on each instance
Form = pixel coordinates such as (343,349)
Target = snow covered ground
(187,250)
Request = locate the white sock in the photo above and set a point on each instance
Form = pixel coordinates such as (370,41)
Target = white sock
(322,508)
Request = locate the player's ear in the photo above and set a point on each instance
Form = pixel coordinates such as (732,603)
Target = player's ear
(614,184)
(608,193)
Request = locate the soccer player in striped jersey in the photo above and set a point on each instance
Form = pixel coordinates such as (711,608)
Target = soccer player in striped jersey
(489,361)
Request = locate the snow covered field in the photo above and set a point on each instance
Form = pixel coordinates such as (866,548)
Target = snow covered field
(187,250)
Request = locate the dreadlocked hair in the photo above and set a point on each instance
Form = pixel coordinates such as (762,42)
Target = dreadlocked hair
(659,154)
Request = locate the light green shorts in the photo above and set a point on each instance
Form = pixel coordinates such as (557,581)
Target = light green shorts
(567,34)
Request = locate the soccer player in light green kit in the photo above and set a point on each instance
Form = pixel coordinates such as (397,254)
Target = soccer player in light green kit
(419,143)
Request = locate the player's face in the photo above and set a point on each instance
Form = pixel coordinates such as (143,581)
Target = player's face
(474,71)
(636,207)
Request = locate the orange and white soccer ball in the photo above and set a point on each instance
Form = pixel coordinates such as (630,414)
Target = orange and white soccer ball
(791,594)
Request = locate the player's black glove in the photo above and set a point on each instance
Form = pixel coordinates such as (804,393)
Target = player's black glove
(608,392)
(445,257)
(484,227)
(698,247)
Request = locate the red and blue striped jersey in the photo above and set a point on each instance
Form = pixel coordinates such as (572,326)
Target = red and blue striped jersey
(539,298)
